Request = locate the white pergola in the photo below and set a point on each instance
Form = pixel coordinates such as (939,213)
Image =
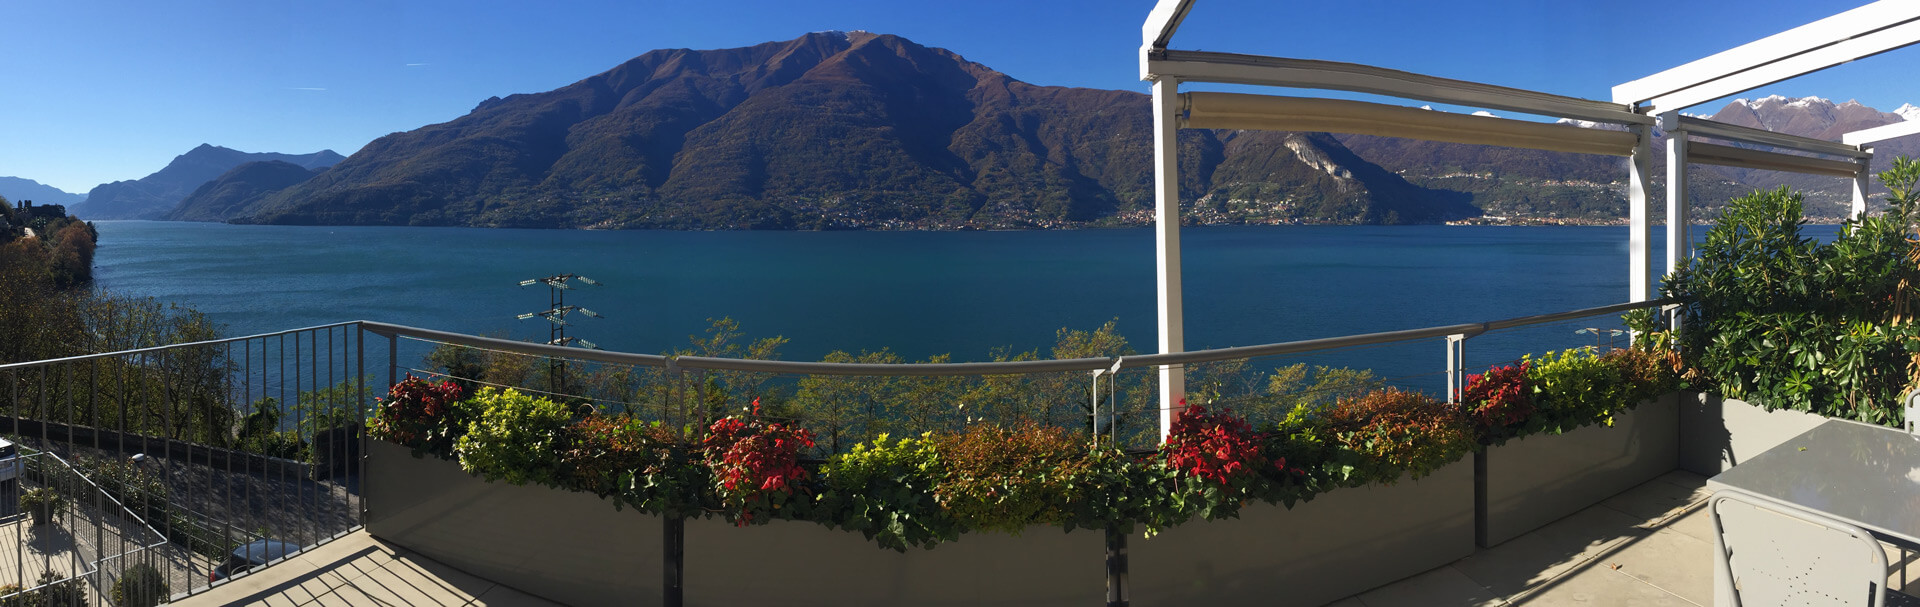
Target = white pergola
(1637,106)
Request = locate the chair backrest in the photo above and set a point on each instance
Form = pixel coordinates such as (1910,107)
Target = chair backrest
(1913,412)
(1771,553)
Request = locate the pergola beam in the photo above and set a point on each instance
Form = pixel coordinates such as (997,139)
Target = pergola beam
(1862,32)
(1721,130)
(1162,21)
(1726,155)
(1232,68)
(1274,113)
(1882,133)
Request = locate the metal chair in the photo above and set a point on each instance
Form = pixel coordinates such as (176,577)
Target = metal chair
(1770,553)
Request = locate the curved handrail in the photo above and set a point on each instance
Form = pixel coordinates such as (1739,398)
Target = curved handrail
(923,369)
(997,368)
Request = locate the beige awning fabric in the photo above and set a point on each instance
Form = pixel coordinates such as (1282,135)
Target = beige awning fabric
(1273,113)
(1726,155)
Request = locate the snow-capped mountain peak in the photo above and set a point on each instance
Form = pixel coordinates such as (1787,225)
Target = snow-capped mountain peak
(1909,111)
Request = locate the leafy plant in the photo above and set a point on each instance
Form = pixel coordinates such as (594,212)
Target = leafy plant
(756,465)
(1006,478)
(140,586)
(1394,432)
(885,491)
(514,437)
(421,415)
(1498,402)
(634,462)
(1218,448)
(43,503)
(1574,388)
(1789,323)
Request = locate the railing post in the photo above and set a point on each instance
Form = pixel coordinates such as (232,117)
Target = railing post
(673,560)
(1116,567)
(1456,365)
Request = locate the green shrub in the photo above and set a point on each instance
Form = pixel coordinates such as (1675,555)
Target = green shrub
(1395,431)
(140,586)
(632,462)
(514,437)
(1788,323)
(49,592)
(1004,479)
(1574,389)
(885,491)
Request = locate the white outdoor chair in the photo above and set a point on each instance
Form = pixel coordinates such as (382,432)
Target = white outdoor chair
(1769,553)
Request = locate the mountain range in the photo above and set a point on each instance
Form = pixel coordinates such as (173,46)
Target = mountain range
(854,130)
(154,196)
(17,189)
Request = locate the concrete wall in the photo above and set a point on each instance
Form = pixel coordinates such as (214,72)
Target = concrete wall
(1539,479)
(1718,433)
(565,546)
(575,548)
(1341,543)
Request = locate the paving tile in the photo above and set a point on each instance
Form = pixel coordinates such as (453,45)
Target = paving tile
(1675,562)
(1600,586)
(1352,601)
(440,579)
(1443,586)
(502,596)
(1591,532)
(272,586)
(348,596)
(1519,564)
(1686,479)
(1697,523)
(407,587)
(1655,502)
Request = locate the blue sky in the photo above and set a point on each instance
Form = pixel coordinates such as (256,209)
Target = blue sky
(92,92)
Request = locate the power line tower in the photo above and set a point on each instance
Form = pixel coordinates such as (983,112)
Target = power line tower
(556,314)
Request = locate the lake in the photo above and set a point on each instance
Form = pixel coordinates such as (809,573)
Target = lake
(916,293)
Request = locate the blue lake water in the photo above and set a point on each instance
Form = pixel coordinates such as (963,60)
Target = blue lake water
(916,293)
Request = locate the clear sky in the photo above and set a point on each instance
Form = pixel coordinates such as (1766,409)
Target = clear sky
(100,91)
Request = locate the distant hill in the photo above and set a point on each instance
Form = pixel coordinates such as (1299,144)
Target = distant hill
(831,131)
(224,196)
(17,189)
(155,195)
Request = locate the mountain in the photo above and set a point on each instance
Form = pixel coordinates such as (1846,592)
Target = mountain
(221,198)
(17,189)
(1822,119)
(828,131)
(153,196)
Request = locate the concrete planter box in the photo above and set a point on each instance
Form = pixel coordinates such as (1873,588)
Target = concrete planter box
(1341,543)
(799,563)
(564,546)
(1539,479)
(1718,433)
(575,548)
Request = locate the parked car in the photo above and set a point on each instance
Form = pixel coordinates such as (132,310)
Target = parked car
(10,469)
(254,554)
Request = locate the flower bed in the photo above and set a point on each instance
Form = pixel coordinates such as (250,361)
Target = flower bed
(924,491)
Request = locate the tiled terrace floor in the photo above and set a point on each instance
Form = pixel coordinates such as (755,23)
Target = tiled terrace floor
(1652,545)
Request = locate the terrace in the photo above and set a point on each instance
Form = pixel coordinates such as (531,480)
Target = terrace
(170,458)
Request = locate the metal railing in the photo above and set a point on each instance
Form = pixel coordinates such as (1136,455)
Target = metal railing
(214,444)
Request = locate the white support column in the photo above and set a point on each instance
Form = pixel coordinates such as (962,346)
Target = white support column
(1640,229)
(1166,223)
(1860,185)
(1679,201)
